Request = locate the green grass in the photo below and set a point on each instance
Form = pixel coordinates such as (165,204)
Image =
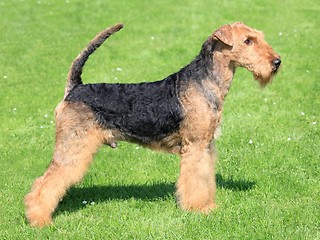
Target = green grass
(269,189)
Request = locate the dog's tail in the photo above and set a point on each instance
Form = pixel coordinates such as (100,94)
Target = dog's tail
(74,75)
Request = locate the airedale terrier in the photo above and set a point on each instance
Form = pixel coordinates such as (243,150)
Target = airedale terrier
(180,114)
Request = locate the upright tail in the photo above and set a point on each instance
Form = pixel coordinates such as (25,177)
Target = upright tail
(74,75)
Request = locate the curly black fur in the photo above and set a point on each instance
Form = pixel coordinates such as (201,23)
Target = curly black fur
(143,112)
(147,112)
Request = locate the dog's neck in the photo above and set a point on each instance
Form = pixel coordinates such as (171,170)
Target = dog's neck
(211,72)
(223,72)
(205,71)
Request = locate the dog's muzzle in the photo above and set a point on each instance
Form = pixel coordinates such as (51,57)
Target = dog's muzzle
(276,64)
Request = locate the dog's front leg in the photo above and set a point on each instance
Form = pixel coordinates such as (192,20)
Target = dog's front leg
(196,184)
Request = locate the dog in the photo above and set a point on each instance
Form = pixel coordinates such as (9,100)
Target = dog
(180,114)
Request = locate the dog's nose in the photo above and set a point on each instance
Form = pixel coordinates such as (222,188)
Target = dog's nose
(276,63)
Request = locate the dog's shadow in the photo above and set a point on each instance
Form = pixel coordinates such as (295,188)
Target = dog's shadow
(79,197)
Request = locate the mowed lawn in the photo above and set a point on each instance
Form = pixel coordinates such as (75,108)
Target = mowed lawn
(268,173)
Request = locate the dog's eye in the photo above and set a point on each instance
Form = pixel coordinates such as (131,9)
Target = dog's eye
(248,41)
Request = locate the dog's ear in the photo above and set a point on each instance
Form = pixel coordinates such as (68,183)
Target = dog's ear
(224,34)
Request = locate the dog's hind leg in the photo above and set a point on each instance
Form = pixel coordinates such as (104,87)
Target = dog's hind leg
(77,139)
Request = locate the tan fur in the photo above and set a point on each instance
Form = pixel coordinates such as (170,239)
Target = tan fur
(196,185)
(257,59)
(77,139)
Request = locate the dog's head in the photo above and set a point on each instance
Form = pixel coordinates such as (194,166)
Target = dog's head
(246,47)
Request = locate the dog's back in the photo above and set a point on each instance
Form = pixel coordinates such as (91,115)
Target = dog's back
(143,112)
